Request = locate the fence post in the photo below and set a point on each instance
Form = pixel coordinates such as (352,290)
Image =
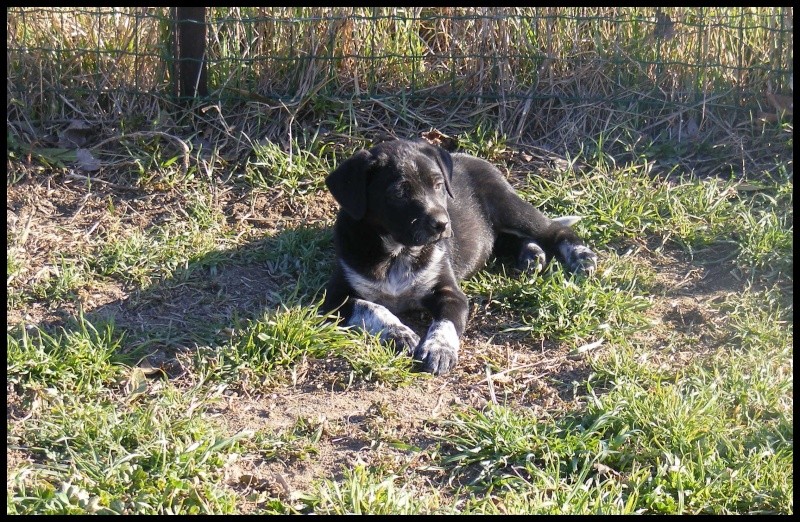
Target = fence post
(190,51)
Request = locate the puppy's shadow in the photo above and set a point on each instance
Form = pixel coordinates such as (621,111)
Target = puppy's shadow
(222,290)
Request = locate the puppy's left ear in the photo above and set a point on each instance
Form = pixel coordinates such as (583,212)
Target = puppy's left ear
(445,162)
(348,183)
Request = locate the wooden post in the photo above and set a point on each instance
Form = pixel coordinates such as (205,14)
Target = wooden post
(190,51)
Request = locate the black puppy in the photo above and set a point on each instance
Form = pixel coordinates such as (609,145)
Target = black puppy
(414,221)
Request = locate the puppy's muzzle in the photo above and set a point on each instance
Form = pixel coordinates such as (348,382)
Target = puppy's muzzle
(437,225)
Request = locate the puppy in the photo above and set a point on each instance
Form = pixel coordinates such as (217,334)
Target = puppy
(414,221)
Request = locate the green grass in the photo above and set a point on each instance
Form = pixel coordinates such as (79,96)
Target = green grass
(59,283)
(270,349)
(303,255)
(141,257)
(368,491)
(298,442)
(372,361)
(296,172)
(103,440)
(712,437)
(159,456)
(79,359)
(664,417)
(558,306)
(627,202)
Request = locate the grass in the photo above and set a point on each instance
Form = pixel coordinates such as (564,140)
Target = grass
(673,417)
(299,442)
(296,172)
(712,437)
(267,348)
(160,251)
(558,306)
(78,359)
(274,347)
(165,354)
(367,491)
(158,457)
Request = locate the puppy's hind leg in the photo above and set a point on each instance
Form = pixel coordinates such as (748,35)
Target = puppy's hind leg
(540,234)
(530,257)
(579,258)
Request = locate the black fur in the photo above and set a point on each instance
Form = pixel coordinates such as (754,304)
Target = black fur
(414,221)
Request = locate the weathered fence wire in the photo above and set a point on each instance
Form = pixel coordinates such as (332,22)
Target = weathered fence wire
(549,74)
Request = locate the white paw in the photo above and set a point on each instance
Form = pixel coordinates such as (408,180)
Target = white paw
(438,352)
(404,339)
(579,258)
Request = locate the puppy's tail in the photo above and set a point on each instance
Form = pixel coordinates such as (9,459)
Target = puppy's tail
(567,221)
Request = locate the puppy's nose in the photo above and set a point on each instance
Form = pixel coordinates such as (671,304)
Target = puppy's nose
(438,223)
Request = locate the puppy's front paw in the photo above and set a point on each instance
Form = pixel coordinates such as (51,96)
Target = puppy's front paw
(579,259)
(377,319)
(404,339)
(438,352)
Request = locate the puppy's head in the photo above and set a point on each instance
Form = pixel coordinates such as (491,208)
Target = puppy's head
(400,187)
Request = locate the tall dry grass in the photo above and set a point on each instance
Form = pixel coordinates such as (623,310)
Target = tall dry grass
(549,76)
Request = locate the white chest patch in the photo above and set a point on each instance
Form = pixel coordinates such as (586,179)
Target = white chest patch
(402,288)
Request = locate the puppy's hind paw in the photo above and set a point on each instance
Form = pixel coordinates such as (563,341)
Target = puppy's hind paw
(579,259)
(531,258)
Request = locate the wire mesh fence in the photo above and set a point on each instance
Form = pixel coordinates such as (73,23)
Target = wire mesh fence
(550,74)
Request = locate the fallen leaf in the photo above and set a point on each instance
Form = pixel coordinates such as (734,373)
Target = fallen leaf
(136,385)
(76,135)
(86,161)
(435,137)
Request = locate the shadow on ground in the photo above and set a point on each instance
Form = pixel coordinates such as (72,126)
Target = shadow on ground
(223,290)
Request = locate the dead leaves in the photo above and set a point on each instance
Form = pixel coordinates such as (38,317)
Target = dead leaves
(72,148)
(435,137)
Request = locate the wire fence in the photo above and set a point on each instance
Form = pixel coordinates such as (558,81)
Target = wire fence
(550,74)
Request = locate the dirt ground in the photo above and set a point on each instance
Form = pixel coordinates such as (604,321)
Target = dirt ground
(59,214)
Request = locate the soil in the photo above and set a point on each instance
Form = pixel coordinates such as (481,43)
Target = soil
(49,215)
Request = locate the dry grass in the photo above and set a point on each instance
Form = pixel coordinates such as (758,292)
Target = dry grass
(694,79)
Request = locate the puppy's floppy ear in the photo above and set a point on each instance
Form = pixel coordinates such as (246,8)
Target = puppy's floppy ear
(446,164)
(348,183)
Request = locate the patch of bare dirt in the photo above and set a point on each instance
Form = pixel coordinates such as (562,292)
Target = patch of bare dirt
(357,422)
(361,420)
(50,217)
